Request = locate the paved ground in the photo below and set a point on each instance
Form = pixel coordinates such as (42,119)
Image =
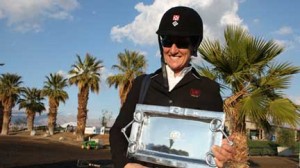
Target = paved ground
(18,151)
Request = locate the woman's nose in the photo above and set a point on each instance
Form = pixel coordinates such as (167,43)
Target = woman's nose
(174,49)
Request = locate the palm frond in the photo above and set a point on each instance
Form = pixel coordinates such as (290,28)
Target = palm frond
(283,111)
(86,73)
(130,65)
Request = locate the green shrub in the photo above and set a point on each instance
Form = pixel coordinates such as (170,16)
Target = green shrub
(286,137)
(296,148)
(260,148)
(42,128)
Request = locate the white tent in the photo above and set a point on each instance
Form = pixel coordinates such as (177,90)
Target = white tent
(65,125)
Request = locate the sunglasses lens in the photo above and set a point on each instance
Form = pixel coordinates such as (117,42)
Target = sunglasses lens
(183,44)
(179,43)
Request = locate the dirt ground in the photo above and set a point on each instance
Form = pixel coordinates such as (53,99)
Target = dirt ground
(273,162)
(62,150)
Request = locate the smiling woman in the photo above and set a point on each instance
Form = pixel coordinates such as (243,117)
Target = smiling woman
(175,84)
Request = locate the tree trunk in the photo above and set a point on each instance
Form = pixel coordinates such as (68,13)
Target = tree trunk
(124,90)
(1,115)
(82,113)
(237,128)
(6,118)
(51,122)
(30,120)
(122,94)
(240,159)
(52,116)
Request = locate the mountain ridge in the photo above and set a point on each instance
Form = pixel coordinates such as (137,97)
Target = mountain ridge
(42,120)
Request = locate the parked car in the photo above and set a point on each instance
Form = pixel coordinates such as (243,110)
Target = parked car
(90,145)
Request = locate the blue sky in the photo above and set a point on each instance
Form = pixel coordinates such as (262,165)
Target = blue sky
(39,37)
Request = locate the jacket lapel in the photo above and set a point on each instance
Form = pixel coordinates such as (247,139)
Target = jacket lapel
(190,76)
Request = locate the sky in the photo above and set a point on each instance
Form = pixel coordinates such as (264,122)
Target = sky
(39,37)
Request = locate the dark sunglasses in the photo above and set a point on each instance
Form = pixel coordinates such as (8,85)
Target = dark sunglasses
(180,43)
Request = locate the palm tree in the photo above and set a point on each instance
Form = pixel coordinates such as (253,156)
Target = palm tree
(131,64)
(245,65)
(1,108)
(31,100)
(1,115)
(9,94)
(53,88)
(86,75)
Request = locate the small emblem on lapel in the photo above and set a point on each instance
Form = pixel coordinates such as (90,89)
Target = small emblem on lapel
(195,92)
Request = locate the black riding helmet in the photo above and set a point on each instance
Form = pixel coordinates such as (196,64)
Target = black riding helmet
(182,21)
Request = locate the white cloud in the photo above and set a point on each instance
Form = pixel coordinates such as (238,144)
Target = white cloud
(294,99)
(282,43)
(215,14)
(291,39)
(287,44)
(63,73)
(297,39)
(28,15)
(105,72)
(230,16)
(285,30)
(1,14)
(297,101)
(256,21)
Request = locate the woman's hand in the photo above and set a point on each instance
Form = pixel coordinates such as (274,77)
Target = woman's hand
(134,165)
(223,154)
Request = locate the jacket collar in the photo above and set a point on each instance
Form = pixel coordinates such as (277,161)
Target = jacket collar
(191,75)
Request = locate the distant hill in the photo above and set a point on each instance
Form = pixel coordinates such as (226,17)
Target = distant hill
(61,119)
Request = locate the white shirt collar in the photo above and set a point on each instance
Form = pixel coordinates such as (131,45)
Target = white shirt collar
(172,79)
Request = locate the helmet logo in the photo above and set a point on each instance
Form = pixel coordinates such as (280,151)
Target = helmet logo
(175,19)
